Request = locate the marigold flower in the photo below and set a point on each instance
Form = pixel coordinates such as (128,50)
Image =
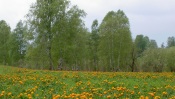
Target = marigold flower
(9,94)
(105,92)
(152,94)
(164,93)
(156,97)
(21,82)
(146,97)
(142,97)
(108,96)
(2,92)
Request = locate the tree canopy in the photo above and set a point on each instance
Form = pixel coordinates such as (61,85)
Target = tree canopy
(115,41)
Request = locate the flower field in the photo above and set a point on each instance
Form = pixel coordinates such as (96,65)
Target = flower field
(20,83)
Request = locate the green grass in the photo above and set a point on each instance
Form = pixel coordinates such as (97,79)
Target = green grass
(21,83)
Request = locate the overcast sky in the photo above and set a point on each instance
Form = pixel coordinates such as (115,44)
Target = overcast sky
(153,18)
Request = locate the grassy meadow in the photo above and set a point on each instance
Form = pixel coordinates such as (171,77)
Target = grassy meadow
(21,83)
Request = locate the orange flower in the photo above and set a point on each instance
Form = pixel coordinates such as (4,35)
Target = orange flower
(9,94)
(21,82)
(108,96)
(152,94)
(164,93)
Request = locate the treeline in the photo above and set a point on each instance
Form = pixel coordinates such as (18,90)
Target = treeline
(54,37)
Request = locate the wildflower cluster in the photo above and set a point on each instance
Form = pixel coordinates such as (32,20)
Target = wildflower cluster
(32,84)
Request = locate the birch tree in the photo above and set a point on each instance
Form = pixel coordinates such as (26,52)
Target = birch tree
(115,41)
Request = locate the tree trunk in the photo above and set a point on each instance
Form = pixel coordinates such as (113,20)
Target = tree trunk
(50,47)
(50,59)
(133,61)
(118,66)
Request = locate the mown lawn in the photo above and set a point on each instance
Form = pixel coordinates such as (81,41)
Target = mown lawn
(20,83)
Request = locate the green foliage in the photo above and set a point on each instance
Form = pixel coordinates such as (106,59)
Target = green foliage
(20,34)
(153,44)
(93,44)
(170,60)
(5,34)
(145,55)
(59,34)
(115,41)
(153,60)
(141,43)
(157,60)
(171,41)
(18,44)
(43,17)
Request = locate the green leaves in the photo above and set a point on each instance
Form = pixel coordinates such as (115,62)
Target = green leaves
(58,32)
(171,41)
(5,34)
(115,40)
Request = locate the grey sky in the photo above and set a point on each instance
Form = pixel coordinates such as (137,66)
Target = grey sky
(153,18)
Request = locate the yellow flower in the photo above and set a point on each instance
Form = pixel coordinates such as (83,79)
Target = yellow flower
(156,97)
(152,94)
(2,92)
(139,92)
(108,96)
(135,87)
(105,92)
(141,97)
(83,97)
(1,95)
(132,92)
(29,96)
(9,94)
(21,82)
(146,97)
(56,97)
(113,88)
(88,83)
(21,94)
(164,93)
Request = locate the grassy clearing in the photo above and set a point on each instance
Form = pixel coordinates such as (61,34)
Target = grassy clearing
(36,84)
